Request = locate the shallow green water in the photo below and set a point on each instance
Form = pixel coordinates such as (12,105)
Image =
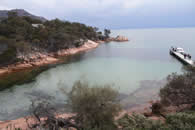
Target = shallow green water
(124,65)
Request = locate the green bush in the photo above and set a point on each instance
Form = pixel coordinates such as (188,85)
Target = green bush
(180,89)
(138,122)
(181,121)
(8,56)
(177,121)
(95,106)
(51,36)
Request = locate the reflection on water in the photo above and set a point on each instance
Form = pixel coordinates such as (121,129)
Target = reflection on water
(137,66)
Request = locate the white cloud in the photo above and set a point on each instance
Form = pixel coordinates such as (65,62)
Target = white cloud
(94,6)
(4,8)
(93,10)
(42,3)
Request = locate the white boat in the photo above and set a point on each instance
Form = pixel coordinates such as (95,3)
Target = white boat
(179,53)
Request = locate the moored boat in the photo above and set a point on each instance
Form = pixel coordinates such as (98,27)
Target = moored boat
(180,54)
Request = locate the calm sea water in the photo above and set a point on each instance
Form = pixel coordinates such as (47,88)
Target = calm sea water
(123,65)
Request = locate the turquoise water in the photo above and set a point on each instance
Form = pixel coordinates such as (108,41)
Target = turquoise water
(122,65)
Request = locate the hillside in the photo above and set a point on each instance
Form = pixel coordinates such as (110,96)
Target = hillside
(23,37)
(21,13)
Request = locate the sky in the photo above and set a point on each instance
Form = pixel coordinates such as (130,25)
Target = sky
(113,14)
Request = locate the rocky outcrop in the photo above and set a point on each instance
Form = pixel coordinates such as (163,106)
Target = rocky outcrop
(86,46)
(119,39)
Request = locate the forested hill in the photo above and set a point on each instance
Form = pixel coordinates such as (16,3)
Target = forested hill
(21,36)
(21,13)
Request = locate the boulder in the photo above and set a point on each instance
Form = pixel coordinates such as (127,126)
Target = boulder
(121,38)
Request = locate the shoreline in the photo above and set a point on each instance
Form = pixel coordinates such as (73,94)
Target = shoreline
(41,59)
(51,58)
(21,122)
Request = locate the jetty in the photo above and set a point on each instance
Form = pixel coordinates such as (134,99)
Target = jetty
(181,55)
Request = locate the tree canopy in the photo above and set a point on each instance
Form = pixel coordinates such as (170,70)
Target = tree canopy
(49,36)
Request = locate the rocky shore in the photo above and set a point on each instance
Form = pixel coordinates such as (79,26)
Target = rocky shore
(40,59)
(21,123)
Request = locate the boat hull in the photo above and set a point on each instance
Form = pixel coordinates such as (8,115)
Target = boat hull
(181,58)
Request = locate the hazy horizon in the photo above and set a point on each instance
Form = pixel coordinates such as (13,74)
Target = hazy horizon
(113,14)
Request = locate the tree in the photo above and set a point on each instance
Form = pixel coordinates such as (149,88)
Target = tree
(180,89)
(12,14)
(94,106)
(44,110)
(51,36)
(107,33)
(23,47)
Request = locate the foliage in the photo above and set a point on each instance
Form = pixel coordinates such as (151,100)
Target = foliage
(180,89)
(107,33)
(177,121)
(50,36)
(44,110)
(95,106)
(181,121)
(8,56)
(138,122)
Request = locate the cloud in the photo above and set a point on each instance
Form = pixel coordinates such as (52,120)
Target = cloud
(4,8)
(95,11)
(43,3)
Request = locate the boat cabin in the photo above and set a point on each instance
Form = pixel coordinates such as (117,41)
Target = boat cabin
(178,49)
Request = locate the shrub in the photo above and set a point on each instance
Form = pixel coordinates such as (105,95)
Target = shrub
(8,56)
(138,122)
(180,89)
(177,121)
(181,121)
(94,106)
(52,36)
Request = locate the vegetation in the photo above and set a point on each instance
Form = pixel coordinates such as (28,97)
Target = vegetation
(107,33)
(180,89)
(138,122)
(177,121)
(94,108)
(21,37)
